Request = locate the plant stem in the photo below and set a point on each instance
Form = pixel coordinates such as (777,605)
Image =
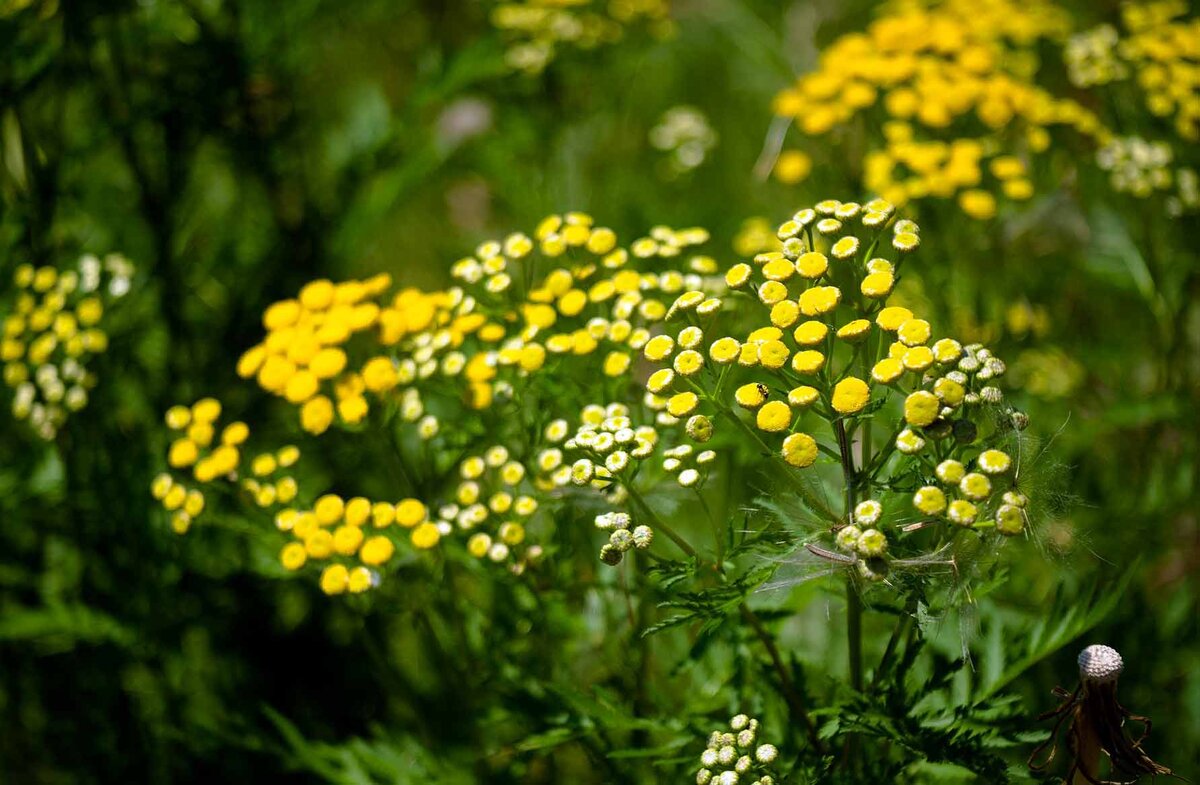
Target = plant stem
(657,522)
(815,504)
(853,601)
(791,695)
(854,634)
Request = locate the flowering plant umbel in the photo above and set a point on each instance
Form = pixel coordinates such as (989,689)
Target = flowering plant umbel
(789,405)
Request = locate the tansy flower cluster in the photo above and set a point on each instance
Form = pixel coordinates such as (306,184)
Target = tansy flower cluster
(352,538)
(832,353)
(51,334)
(949,88)
(622,536)
(495,501)
(734,755)
(200,455)
(305,357)
(1142,168)
(536,29)
(685,135)
(554,303)
(1159,50)
(610,443)
(567,296)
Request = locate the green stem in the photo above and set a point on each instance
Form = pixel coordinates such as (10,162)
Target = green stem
(854,634)
(658,524)
(790,693)
(815,504)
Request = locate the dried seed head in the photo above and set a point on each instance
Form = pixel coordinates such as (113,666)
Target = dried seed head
(1100,664)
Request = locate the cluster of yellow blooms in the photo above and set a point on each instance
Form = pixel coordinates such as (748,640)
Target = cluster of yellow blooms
(201,456)
(304,359)
(353,535)
(53,331)
(532,319)
(1159,49)
(537,28)
(561,301)
(834,348)
(951,88)
(495,492)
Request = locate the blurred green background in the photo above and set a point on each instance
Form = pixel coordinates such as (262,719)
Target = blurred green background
(234,149)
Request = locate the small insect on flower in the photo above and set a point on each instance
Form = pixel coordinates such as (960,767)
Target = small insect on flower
(1095,722)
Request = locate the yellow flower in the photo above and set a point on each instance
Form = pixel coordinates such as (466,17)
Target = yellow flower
(854,331)
(845,247)
(206,410)
(659,347)
(792,166)
(887,370)
(335,579)
(360,580)
(950,471)
(410,512)
(660,380)
(808,361)
(774,416)
(892,317)
(316,415)
(812,264)
(810,333)
(921,408)
(978,204)
(917,358)
(293,556)
(178,417)
(300,387)
(773,354)
(737,275)
(994,461)
(378,549)
(975,486)
(962,512)
(772,292)
(779,268)
(329,509)
(850,395)
(319,544)
(346,539)
(353,409)
(379,375)
(947,350)
(800,450)
(688,363)
(785,313)
(819,300)
(357,511)
(877,285)
(930,500)
(317,295)
(682,404)
(425,536)
(183,452)
(803,396)
(913,332)
(751,396)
